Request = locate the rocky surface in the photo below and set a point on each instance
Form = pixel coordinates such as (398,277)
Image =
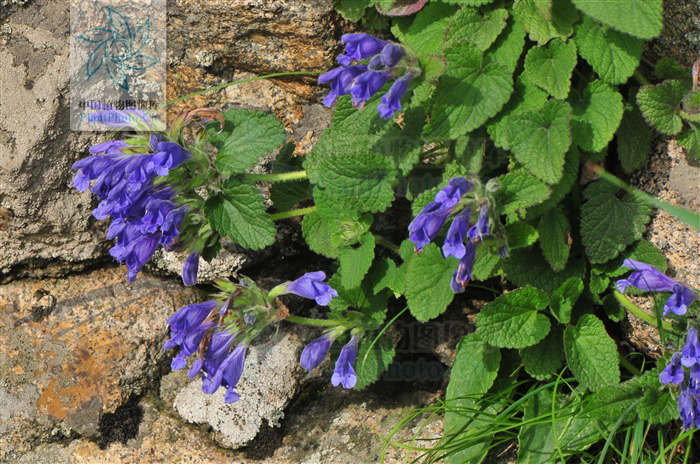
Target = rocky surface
(680,37)
(74,349)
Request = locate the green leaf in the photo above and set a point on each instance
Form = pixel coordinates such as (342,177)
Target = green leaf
(609,223)
(385,274)
(633,137)
(643,251)
(361,298)
(371,363)
(564,298)
(355,262)
(317,233)
(611,401)
(539,139)
(690,140)
(591,353)
(470,25)
(638,18)
(551,67)
(611,54)
(352,10)
(360,182)
(660,103)
(285,195)
(468,153)
(526,96)
(668,68)
(247,136)
(520,234)
(509,45)
(239,214)
(543,29)
(428,278)
(526,268)
(426,33)
(596,116)
(562,188)
(472,90)
(658,406)
(513,319)
(485,266)
(613,309)
(554,232)
(518,190)
(546,357)
(467,2)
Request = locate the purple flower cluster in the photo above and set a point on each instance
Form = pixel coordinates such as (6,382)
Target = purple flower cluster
(689,396)
(311,286)
(461,240)
(648,278)
(344,373)
(362,81)
(144,213)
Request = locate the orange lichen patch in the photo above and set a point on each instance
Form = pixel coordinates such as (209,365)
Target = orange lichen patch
(17,370)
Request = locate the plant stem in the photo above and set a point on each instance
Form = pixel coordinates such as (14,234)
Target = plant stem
(634,309)
(629,366)
(283,177)
(386,244)
(292,213)
(242,81)
(640,78)
(315,322)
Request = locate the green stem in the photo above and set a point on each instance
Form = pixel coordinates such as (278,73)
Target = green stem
(242,81)
(315,322)
(386,244)
(283,177)
(292,213)
(629,366)
(640,78)
(634,309)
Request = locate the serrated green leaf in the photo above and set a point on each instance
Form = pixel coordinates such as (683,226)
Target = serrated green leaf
(239,214)
(513,319)
(554,232)
(599,283)
(633,137)
(612,401)
(638,18)
(472,90)
(690,140)
(609,223)
(481,30)
(355,262)
(467,2)
(658,406)
(611,54)
(422,200)
(509,45)
(564,298)
(247,136)
(385,274)
(660,103)
(485,266)
(285,195)
(643,251)
(317,233)
(613,309)
(360,182)
(352,10)
(360,298)
(526,268)
(518,190)
(545,358)
(668,68)
(426,33)
(562,188)
(520,234)
(541,28)
(551,67)
(526,96)
(371,363)
(428,278)
(591,354)
(596,116)
(468,153)
(539,139)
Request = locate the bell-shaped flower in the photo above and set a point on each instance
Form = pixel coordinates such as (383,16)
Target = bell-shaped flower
(367,84)
(187,319)
(359,47)
(391,55)
(463,274)
(344,372)
(315,352)
(170,155)
(673,372)
(311,285)
(341,80)
(391,101)
(190,269)
(232,370)
(481,228)
(454,242)
(686,408)
(691,350)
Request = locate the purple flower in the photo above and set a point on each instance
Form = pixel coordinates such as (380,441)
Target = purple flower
(189,344)
(367,84)
(186,319)
(315,352)
(691,350)
(453,192)
(694,381)
(341,80)
(344,372)
(651,279)
(686,408)
(463,274)
(189,270)
(232,370)
(391,100)
(673,372)
(391,55)
(360,47)
(481,228)
(311,285)
(170,155)
(454,242)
